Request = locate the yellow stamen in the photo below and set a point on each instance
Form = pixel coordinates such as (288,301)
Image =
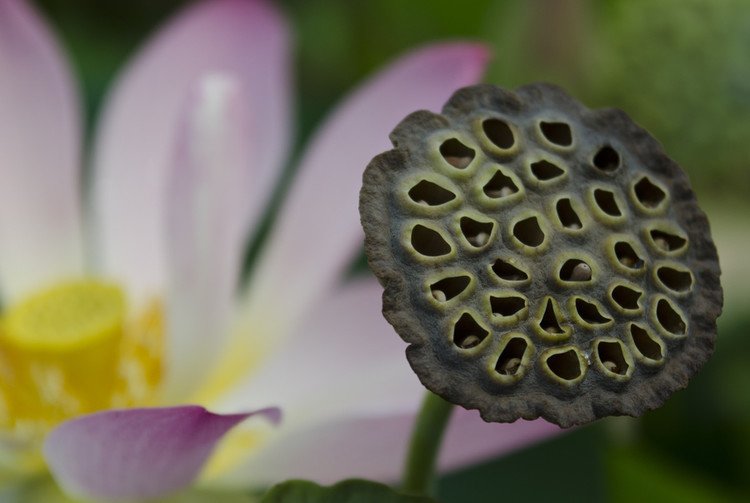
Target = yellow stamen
(67,317)
(140,366)
(70,350)
(61,346)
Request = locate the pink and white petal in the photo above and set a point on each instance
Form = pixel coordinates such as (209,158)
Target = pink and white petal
(469,439)
(137,453)
(246,40)
(318,230)
(207,188)
(348,392)
(345,359)
(40,141)
(374,447)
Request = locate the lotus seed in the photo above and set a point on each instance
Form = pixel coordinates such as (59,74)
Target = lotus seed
(439,295)
(480,239)
(470,342)
(511,366)
(581,272)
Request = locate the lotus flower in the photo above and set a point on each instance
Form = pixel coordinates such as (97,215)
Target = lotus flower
(124,318)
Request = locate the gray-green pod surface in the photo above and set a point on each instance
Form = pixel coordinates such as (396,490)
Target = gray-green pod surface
(540,258)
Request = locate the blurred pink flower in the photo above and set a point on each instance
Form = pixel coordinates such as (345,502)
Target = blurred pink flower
(190,144)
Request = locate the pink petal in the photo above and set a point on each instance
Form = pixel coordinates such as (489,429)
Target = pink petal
(470,439)
(374,447)
(136,453)
(40,220)
(207,189)
(318,230)
(349,400)
(244,40)
(345,359)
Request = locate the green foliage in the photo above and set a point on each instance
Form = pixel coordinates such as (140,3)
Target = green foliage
(705,430)
(678,67)
(566,469)
(348,491)
(640,475)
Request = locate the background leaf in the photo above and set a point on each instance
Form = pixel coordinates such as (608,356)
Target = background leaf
(348,491)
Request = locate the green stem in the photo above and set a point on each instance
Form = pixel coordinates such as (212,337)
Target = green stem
(424,446)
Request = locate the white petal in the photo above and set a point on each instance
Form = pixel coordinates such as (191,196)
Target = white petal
(206,192)
(246,40)
(318,230)
(344,359)
(374,447)
(349,399)
(40,210)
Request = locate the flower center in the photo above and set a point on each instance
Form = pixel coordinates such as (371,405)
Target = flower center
(67,318)
(71,350)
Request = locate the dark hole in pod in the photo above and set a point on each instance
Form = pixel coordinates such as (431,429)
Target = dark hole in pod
(447,288)
(510,359)
(558,133)
(431,194)
(649,194)
(499,133)
(506,306)
(627,256)
(456,153)
(610,354)
(679,281)
(565,365)
(607,159)
(666,241)
(528,232)
(508,272)
(567,215)
(625,297)
(467,333)
(429,242)
(499,186)
(549,322)
(606,201)
(545,170)
(645,343)
(575,270)
(590,313)
(476,233)
(669,318)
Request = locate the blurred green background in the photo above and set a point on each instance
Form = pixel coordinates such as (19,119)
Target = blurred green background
(681,68)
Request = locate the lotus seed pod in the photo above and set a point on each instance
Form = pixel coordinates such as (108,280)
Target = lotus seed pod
(540,259)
